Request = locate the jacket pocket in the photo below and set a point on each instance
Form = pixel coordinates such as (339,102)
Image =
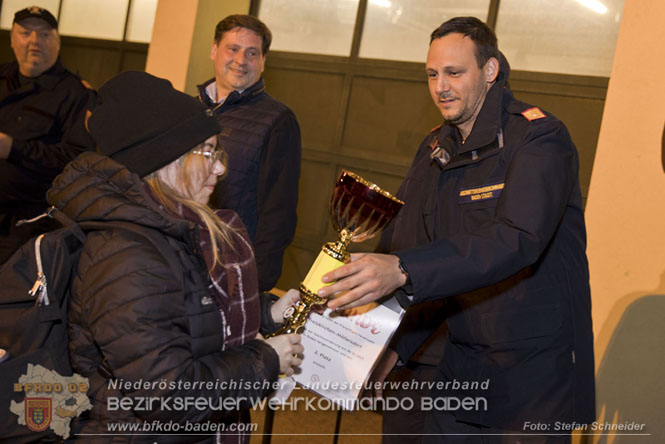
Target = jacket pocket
(523,323)
(477,214)
(35,122)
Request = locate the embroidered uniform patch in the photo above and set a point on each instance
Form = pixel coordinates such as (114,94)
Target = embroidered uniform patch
(533,114)
(487,192)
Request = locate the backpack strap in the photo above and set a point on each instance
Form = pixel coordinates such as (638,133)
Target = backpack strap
(55,213)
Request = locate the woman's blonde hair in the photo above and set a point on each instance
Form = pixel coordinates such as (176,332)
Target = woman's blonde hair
(174,188)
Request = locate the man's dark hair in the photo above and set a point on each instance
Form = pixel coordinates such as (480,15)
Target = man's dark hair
(245,21)
(481,35)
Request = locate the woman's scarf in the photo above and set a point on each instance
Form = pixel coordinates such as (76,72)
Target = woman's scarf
(234,281)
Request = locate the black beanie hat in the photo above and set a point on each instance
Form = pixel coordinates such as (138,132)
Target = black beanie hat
(143,123)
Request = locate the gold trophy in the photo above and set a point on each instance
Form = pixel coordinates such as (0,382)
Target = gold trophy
(359,211)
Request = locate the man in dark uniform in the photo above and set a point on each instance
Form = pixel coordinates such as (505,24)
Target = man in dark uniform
(261,137)
(42,106)
(493,224)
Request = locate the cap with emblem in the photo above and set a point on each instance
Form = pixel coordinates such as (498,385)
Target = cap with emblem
(36,12)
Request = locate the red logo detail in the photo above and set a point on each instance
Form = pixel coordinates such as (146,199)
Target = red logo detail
(365,321)
(37,413)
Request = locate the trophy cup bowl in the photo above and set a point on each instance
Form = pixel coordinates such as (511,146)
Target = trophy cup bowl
(359,210)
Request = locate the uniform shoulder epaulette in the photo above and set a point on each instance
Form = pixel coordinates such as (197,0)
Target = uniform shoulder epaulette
(533,113)
(436,128)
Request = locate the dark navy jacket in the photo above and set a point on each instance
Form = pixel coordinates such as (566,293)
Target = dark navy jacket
(261,137)
(45,118)
(498,233)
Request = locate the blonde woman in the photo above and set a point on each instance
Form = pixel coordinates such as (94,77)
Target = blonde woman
(165,312)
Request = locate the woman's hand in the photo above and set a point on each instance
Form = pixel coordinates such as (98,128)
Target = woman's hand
(287,348)
(279,307)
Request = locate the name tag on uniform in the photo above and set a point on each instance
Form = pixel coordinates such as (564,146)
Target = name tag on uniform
(487,192)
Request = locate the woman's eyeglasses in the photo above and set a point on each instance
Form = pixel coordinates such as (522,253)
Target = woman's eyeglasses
(210,155)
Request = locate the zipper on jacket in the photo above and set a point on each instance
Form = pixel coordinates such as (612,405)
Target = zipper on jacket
(40,285)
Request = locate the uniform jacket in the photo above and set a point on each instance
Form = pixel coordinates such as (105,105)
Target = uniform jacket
(147,309)
(262,140)
(46,120)
(498,233)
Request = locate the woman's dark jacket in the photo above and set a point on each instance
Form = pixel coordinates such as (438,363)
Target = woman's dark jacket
(147,311)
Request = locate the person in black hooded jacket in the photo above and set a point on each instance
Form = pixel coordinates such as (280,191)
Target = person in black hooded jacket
(167,310)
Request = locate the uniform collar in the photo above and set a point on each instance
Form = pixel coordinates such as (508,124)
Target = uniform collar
(49,79)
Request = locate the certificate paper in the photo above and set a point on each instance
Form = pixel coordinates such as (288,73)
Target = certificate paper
(342,349)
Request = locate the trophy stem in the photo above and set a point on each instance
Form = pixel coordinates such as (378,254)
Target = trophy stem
(296,322)
(333,255)
(338,250)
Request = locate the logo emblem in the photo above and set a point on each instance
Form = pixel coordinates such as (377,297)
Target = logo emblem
(288,312)
(37,413)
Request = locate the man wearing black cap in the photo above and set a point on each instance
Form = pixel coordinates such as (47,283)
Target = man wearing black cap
(262,139)
(41,124)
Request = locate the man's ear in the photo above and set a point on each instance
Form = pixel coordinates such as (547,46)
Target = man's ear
(213,50)
(11,36)
(263,62)
(88,113)
(491,69)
